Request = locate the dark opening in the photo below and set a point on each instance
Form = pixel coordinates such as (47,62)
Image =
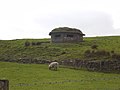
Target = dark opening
(57,35)
(69,35)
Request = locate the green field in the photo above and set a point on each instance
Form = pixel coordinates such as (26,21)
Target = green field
(38,77)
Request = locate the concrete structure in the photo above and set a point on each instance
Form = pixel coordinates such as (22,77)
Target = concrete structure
(66,35)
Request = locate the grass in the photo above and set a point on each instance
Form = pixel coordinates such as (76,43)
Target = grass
(38,77)
(15,49)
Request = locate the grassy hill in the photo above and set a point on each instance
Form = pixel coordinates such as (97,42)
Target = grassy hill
(107,48)
(38,77)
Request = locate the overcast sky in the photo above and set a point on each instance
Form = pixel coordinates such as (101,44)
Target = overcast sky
(36,18)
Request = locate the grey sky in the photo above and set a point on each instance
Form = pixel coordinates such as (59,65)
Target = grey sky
(36,18)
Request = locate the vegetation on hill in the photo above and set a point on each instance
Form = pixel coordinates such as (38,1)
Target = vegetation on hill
(66,29)
(37,76)
(93,48)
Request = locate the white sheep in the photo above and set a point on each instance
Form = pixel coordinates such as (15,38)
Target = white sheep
(53,66)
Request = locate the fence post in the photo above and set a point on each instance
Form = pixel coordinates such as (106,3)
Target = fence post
(4,85)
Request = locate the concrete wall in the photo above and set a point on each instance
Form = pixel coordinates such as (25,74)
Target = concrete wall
(66,37)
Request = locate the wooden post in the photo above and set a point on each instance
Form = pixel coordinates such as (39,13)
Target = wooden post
(4,85)
(100,66)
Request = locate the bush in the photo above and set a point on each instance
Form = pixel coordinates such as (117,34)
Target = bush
(112,52)
(87,53)
(38,43)
(116,56)
(33,43)
(94,46)
(98,53)
(63,52)
(27,43)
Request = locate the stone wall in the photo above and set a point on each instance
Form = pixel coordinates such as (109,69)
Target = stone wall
(102,65)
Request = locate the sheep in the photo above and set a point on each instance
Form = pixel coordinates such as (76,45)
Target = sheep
(53,66)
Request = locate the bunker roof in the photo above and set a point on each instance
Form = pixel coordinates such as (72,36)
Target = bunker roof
(66,30)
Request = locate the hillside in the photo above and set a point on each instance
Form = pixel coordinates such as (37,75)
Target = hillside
(41,49)
(95,53)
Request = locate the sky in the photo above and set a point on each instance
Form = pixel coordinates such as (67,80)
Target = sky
(20,19)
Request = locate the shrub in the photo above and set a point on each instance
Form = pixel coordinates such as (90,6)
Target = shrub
(63,52)
(38,43)
(27,43)
(112,52)
(98,53)
(94,46)
(116,56)
(33,43)
(102,53)
(87,53)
